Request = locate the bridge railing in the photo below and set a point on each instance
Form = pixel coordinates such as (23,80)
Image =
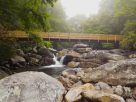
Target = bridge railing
(70,36)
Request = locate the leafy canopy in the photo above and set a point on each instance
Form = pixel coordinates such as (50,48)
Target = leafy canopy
(24,14)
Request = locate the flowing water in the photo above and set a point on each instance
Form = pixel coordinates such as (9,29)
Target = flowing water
(54,70)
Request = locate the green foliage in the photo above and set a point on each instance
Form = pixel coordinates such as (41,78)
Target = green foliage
(7,48)
(107,45)
(104,21)
(57,19)
(129,39)
(39,41)
(127,9)
(24,14)
(77,23)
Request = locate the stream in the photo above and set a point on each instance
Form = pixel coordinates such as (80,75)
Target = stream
(54,70)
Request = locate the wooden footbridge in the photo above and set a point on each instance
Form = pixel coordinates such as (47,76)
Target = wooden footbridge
(67,36)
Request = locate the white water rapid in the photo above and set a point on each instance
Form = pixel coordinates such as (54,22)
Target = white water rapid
(57,63)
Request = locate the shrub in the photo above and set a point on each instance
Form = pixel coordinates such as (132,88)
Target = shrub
(39,41)
(129,38)
(7,48)
(107,45)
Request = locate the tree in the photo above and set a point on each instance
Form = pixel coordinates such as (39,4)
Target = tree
(127,9)
(104,21)
(24,14)
(57,18)
(76,23)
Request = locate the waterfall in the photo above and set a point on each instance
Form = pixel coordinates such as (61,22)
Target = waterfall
(62,59)
(57,63)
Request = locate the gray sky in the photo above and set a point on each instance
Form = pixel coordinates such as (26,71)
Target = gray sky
(85,7)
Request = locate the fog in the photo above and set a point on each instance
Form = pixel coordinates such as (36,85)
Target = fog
(84,7)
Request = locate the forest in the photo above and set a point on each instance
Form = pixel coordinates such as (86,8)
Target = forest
(98,66)
(113,17)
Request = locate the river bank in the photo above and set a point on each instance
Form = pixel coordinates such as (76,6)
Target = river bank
(84,75)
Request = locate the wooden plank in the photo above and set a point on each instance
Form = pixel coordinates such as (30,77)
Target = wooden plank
(68,36)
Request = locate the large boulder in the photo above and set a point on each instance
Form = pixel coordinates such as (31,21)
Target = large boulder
(30,87)
(83,50)
(17,59)
(74,94)
(100,96)
(103,55)
(67,59)
(116,73)
(45,52)
(3,74)
(73,64)
(80,46)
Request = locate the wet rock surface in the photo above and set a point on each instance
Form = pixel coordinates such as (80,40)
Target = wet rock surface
(31,87)
(116,73)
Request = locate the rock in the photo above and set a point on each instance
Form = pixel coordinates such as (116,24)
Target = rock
(31,87)
(130,100)
(17,59)
(3,74)
(117,73)
(118,90)
(53,50)
(117,51)
(67,59)
(79,83)
(74,54)
(62,53)
(99,96)
(33,61)
(35,50)
(103,55)
(134,93)
(127,92)
(80,46)
(33,55)
(74,94)
(103,87)
(68,55)
(67,83)
(88,65)
(83,50)
(132,56)
(73,64)
(45,61)
(71,74)
(20,52)
(45,52)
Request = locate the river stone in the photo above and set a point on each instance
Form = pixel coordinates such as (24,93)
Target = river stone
(80,46)
(30,87)
(130,100)
(45,52)
(73,64)
(118,90)
(74,94)
(17,59)
(103,87)
(103,55)
(3,74)
(100,96)
(117,73)
(83,50)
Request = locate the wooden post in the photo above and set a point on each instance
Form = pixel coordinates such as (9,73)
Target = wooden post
(98,38)
(69,36)
(49,36)
(107,38)
(115,38)
(59,36)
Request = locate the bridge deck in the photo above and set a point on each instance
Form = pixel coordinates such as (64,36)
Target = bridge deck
(68,36)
